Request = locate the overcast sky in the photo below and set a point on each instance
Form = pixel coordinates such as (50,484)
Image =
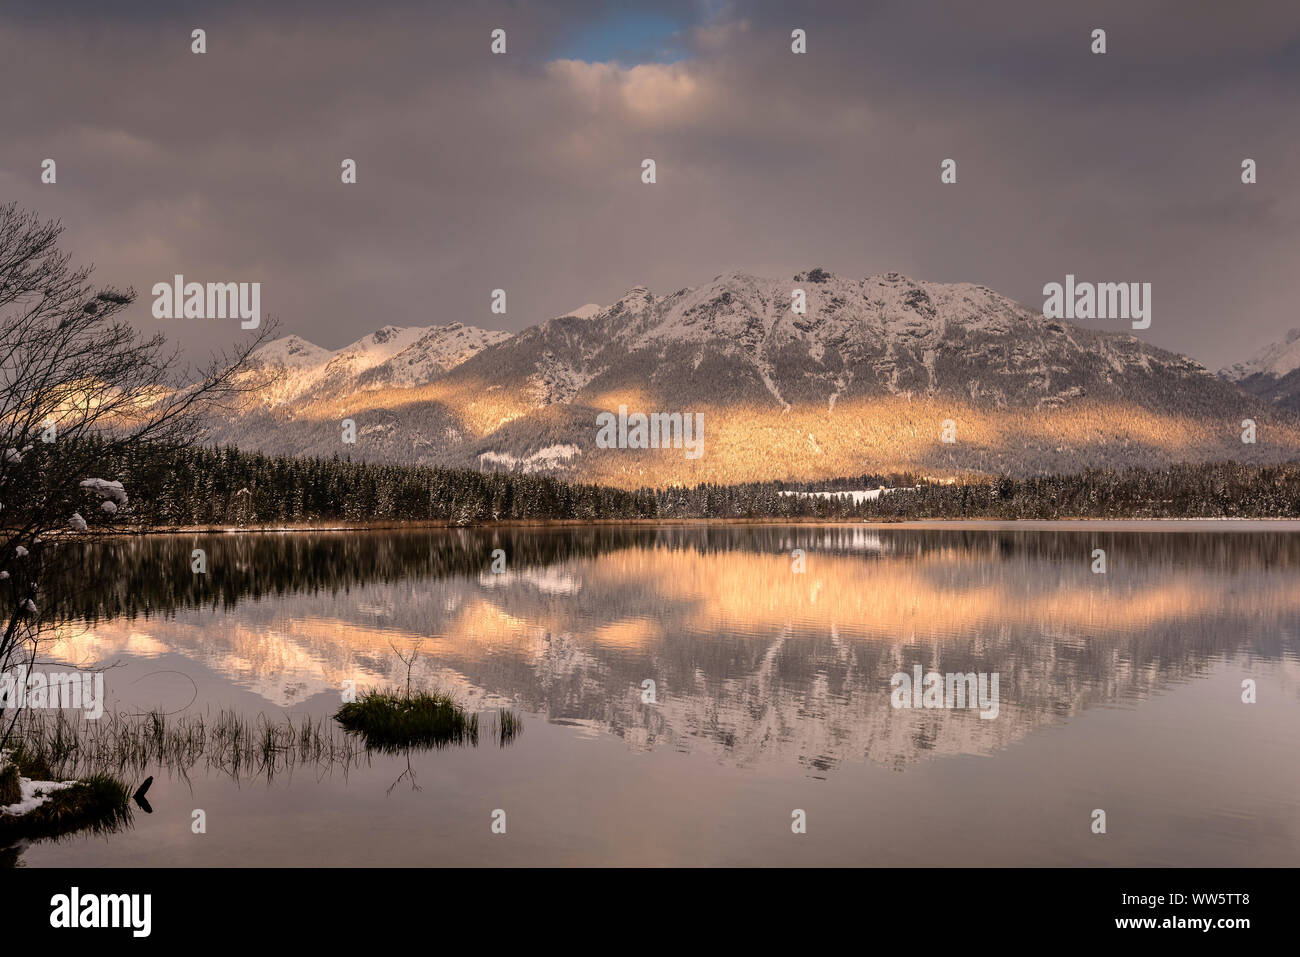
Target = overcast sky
(522,171)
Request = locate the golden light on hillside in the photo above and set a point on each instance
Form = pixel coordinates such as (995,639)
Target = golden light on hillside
(811,442)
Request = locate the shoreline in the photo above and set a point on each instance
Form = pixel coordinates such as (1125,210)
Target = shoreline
(988,524)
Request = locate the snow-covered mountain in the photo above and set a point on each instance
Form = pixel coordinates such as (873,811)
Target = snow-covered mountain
(861,381)
(434,351)
(585,312)
(296,371)
(286,368)
(737,338)
(1272,373)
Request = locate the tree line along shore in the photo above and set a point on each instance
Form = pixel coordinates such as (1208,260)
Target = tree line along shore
(206,488)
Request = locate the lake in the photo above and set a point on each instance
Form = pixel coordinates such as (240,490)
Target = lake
(773,692)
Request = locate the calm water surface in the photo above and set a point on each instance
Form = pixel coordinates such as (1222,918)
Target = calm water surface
(1119,691)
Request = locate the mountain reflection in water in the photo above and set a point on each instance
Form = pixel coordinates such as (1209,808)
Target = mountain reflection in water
(750,660)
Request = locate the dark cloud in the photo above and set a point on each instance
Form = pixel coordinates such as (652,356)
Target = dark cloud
(522,171)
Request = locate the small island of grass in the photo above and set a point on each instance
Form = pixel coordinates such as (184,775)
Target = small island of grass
(390,721)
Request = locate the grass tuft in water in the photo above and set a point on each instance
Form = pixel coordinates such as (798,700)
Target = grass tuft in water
(508,726)
(389,721)
(52,747)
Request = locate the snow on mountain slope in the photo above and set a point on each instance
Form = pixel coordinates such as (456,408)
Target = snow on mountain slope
(1273,373)
(1276,360)
(439,348)
(859,381)
(285,369)
(293,352)
(347,364)
(736,339)
(298,372)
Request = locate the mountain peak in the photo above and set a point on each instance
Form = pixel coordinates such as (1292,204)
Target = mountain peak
(1274,361)
(1273,373)
(584,312)
(390,357)
(292,352)
(633,302)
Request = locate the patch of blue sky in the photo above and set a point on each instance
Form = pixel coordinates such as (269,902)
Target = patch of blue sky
(627,38)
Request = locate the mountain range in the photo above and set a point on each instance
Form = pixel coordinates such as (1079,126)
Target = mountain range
(871,379)
(1273,372)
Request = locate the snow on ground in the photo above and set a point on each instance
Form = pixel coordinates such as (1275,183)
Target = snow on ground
(858,495)
(34,793)
(547,458)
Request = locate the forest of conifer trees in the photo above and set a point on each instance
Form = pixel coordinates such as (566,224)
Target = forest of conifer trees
(182,487)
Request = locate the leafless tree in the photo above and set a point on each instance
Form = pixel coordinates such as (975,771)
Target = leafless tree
(80,389)
(409,661)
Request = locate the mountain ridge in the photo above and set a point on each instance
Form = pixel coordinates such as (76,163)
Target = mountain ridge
(861,381)
(1272,373)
